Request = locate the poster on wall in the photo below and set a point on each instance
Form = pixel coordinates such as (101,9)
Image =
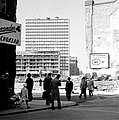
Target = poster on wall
(10,32)
(99,60)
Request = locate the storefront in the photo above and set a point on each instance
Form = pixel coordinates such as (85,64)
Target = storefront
(9,37)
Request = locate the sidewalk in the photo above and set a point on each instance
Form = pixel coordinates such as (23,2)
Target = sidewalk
(35,105)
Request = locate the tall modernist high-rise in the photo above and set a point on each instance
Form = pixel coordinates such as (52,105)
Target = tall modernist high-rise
(48,35)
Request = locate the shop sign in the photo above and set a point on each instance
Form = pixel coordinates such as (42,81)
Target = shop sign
(10,32)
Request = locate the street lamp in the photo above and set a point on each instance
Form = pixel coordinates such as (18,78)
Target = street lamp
(89,4)
(92,3)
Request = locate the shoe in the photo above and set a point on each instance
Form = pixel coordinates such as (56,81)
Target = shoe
(21,107)
(28,107)
(80,97)
(53,108)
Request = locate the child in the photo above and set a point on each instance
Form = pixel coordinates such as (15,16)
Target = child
(24,96)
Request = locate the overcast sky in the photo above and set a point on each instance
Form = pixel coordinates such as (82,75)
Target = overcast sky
(70,9)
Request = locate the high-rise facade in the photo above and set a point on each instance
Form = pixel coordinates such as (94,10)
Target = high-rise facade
(48,35)
(74,70)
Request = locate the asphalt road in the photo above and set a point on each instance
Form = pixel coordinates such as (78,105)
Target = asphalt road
(94,108)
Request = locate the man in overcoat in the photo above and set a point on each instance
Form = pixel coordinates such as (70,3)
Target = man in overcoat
(46,87)
(55,91)
(68,88)
(29,82)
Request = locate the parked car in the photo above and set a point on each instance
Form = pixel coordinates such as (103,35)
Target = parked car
(76,89)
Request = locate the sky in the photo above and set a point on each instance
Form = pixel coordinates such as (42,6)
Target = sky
(74,10)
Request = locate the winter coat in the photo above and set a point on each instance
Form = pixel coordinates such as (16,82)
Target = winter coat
(54,88)
(24,94)
(29,82)
(69,86)
(46,85)
(83,84)
(91,85)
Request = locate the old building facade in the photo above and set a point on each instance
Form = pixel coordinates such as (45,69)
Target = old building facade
(102,30)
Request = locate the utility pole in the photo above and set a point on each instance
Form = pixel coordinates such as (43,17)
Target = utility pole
(91,3)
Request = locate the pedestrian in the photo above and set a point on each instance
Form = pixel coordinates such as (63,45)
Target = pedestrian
(46,87)
(24,96)
(91,86)
(55,94)
(6,77)
(68,88)
(29,82)
(40,82)
(7,86)
(83,86)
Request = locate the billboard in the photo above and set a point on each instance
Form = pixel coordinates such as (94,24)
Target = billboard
(99,60)
(10,32)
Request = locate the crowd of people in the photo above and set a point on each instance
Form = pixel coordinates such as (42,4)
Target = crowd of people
(51,90)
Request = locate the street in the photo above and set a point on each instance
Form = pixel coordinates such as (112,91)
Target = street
(94,108)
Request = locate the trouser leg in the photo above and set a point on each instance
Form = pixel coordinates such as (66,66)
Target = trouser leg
(81,94)
(47,101)
(89,92)
(47,98)
(66,94)
(85,93)
(69,95)
(59,104)
(27,104)
(30,95)
(52,104)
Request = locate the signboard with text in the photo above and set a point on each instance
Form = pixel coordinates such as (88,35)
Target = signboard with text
(99,60)
(10,32)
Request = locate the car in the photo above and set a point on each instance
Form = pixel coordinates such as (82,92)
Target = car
(76,89)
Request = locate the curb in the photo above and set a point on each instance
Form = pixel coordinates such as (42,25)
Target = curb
(35,109)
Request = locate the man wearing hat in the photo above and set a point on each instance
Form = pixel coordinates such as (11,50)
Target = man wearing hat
(29,82)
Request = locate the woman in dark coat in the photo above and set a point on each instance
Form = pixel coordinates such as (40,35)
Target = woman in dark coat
(29,82)
(69,87)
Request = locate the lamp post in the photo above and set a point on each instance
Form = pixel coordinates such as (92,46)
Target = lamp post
(89,4)
(92,3)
